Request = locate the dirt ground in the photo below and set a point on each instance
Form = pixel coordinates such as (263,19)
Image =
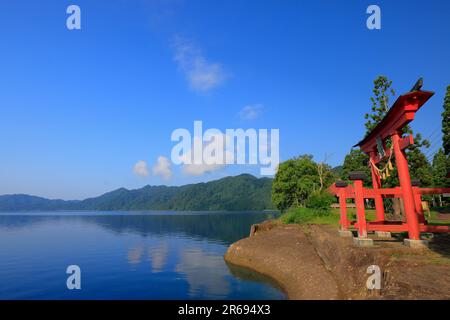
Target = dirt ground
(313,262)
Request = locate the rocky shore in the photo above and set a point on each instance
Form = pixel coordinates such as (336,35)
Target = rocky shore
(313,262)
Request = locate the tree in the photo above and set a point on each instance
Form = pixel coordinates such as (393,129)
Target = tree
(419,167)
(356,160)
(446,123)
(296,180)
(380,102)
(324,171)
(439,170)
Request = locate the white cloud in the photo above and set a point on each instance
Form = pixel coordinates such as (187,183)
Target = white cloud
(251,112)
(201,74)
(211,162)
(162,168)
(200,169)
(140,168)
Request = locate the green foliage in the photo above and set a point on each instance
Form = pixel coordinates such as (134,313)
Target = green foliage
(240,193)
(307,215)
(297,179)
(419,167)
(23,202)
(337,171)
(356,160)
(320,201)
(311,216)
(439,170)
(380,102)
(446,123)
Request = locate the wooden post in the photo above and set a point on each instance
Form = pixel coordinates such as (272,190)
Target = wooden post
(418,204)
(376,182)
(357,177)
(343,209)
(407,192)
(360,214)
(418,200)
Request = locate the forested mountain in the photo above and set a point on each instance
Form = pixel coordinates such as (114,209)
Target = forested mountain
(243,192)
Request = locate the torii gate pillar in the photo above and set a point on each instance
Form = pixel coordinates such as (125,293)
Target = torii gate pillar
(376,183)
(407,192)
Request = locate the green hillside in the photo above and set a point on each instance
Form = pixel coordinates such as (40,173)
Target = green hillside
(244,192)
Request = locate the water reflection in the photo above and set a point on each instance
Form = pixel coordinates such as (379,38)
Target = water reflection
(158,255)
(135,254)
(204,271)
(126,256)
(223,227)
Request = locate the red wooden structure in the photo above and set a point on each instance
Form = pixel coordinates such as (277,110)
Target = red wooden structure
(374,144)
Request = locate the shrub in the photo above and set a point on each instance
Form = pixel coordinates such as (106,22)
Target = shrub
(320,201)
(297,215)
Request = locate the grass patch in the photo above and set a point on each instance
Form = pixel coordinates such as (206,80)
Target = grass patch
(440,260)
(432,219)
(314,216)
(433,258)
(309,216)
(331,217)
(351,214)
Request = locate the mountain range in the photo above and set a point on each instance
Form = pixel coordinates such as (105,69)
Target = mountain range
(239,193)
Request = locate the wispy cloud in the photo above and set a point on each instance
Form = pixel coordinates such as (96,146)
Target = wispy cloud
(162,168)
(141,168)
(251,112)
(201,74)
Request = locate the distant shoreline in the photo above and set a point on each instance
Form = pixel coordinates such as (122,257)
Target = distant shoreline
(235,193)
(142,211)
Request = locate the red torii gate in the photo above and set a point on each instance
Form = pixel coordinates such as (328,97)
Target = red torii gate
(398,116)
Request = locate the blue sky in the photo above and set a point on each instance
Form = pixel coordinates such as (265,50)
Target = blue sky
(78,109)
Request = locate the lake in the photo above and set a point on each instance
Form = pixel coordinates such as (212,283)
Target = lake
(127,255)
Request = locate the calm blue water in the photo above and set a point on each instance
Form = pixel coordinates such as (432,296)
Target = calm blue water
(149,255)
